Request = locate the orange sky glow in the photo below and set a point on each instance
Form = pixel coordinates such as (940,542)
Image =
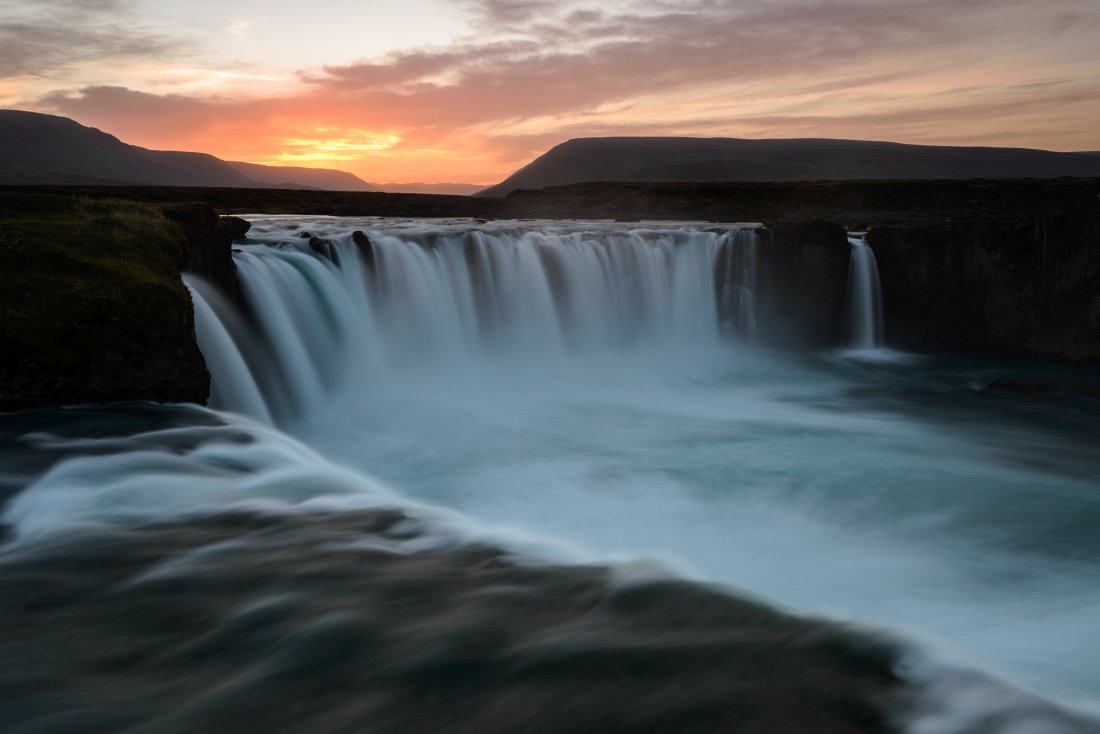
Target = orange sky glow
(470,90)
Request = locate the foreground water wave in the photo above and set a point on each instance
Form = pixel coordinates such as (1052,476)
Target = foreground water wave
(594,397)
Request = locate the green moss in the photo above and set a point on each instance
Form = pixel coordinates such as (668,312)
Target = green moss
(82,279)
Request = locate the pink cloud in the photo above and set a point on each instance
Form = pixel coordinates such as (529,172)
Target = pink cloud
(541,72)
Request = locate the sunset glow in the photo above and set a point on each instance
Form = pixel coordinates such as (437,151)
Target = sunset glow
(470,90)
(333,145)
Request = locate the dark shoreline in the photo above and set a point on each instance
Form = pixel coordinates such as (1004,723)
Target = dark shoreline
(307,627)
(854,204)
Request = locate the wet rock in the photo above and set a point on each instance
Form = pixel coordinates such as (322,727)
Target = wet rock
(209,245)
(366,249)
(325,249)
(803,279)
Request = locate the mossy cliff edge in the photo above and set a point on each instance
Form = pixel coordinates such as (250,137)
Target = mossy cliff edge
(92,308)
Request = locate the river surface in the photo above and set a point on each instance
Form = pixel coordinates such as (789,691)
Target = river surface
(908,493)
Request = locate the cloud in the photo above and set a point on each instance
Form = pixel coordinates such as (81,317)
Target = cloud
(563,57)
(538,72)
(239,28)
(50,35)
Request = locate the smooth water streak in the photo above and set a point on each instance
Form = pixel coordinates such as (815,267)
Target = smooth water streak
(362,311)
(864,304)
(577,380)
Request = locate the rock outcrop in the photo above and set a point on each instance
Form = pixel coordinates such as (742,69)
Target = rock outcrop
(803,268)
(1018,286)
(92,308)
(208,252)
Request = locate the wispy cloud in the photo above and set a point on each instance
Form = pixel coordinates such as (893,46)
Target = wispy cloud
(538,72)
(239,28)
(47,36)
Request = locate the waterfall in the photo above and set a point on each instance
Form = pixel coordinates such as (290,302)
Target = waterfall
(864,306)
(735,282)
(350,307)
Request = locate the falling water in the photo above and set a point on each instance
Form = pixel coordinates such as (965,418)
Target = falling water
(358,306)
(864,298)
(505,383)
(735,282)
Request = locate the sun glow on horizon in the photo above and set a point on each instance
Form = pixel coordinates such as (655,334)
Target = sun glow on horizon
(330,145)
(471,90)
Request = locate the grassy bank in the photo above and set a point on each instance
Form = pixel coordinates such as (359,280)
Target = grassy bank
(91,304)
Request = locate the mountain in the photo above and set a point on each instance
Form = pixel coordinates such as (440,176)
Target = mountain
(296,177)
(459,189)
(199,167)
(47,149)
(38,148)
(734,159)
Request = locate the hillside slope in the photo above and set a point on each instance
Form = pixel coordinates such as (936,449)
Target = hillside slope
(297,177)
(732,159)
(43,149)
(38,149)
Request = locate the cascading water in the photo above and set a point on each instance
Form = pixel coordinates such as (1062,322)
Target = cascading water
(864,306)
(399,296)
(496,385)
(865,298)
(735,282)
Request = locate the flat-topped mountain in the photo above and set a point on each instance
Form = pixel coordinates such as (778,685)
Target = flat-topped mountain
(734,159)
(47,149)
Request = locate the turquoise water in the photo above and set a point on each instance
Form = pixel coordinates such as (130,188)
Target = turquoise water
(904,493)
(895,491)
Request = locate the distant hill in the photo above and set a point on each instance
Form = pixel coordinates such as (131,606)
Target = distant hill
(296,177)
(734,159)
(457,189)
(47,149)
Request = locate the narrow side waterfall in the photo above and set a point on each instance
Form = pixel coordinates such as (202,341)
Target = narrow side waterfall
(864,307)
(352,306)
(735,282)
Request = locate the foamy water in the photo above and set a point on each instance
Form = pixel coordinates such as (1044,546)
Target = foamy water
(886,489)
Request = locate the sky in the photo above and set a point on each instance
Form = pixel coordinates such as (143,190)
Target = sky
(470,90)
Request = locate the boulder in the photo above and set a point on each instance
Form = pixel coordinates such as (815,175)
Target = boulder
(325,249)
(365,248)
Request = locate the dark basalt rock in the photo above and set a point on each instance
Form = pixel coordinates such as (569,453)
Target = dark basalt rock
(234,228)
(365,248)
(1025,285)
(209,245)
(324,248)
(802,282)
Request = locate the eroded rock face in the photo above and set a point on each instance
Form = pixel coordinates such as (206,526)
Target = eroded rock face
(209,245)
(1023,286)
(803,274)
